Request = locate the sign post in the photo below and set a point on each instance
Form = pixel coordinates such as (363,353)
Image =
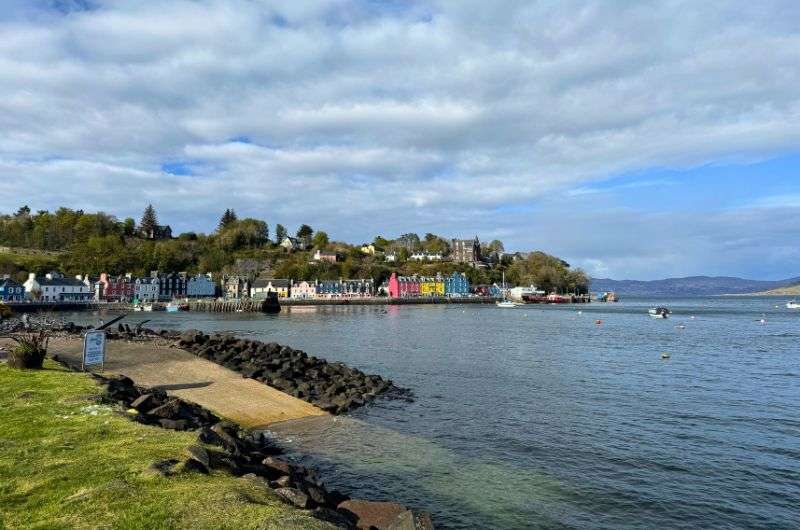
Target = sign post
(94,349)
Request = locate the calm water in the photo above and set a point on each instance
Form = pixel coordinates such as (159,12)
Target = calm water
(537,417)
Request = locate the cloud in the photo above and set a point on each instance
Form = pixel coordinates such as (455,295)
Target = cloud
(426,115)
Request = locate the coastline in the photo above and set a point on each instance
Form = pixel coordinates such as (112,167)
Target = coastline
(160,363)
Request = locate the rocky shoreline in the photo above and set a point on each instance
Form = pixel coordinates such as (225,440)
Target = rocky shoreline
(254,456)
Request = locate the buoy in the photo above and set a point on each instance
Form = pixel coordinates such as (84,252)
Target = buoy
(580,312)
(598,322)
(692,317)
(762,321)
(664,355)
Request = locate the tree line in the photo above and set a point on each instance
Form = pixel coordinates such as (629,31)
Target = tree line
(90,243)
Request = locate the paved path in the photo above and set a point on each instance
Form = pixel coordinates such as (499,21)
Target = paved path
(225,392)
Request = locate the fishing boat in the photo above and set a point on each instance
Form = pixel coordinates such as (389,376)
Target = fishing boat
(659,312)
(505,302)
(173,307)
(794,304)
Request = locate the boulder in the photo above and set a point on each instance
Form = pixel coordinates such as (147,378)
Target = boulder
(332,516)
(409,520)
(145,402)
(277,466)
(294,496)
(175,425)
(372,514)
(200,454)
(168,410)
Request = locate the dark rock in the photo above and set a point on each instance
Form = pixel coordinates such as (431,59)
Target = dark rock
(332,516)
(278,467)
(200,454)
(191,464)
(372,514)
(169,410)
(175,425)
(282,482)
(145,402)
(317,495)
(294,496)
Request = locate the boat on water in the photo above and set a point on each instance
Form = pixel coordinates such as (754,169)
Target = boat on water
(505,302)
(173,307)
(794,304)
(660,312)
(147,308)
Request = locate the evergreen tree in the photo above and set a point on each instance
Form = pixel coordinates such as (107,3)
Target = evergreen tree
(149,221)
(280,233)
(228,218)
(304,234)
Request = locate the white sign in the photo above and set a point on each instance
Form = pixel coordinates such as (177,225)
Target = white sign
(94,348)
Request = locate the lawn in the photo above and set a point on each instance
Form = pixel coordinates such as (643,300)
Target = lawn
(68,462)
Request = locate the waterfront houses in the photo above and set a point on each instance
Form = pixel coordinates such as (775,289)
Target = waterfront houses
(145,289)
(329,289)
(456,284)
(11,291)
(115,289)
(303,290)
(170,285)
(431,286)
(403,286)
(54,287)
(201,286)
(235,287)
(360,288)
(262,286)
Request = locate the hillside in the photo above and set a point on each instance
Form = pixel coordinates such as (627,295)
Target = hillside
(792,290)
(689,286)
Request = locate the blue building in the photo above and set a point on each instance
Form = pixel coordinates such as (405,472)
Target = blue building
(11,291)
(456,284)
(329,288)
(201,286)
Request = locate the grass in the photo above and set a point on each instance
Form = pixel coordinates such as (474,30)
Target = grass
(67,462)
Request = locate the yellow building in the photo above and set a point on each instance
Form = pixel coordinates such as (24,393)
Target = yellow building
(431,286)
(368,249)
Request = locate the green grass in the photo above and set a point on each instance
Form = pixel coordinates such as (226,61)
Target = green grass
(63,467)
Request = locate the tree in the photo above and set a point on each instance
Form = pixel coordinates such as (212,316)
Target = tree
(410,242)
(129,227)
(149,221)
(23,212)
(280,233)
(304,234)
(227,218)
(320,239)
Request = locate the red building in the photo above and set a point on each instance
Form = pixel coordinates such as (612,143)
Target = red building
(403,286)
(120,289)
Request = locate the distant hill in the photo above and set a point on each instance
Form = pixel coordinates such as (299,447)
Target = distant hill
(690,286)
(792,290)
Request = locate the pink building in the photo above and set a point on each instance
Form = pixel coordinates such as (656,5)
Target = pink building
(119,289)
(403,286)
(304,290)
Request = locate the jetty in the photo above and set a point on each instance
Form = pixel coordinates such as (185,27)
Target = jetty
(244,401)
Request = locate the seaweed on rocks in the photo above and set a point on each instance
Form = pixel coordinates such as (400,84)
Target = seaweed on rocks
(333,387)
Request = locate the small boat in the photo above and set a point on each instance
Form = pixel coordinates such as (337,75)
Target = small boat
(148,308)
(505,302)
(794,304)
(173,307)
(138,308)
(659,312)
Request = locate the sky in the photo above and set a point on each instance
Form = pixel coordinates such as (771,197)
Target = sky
(636,139)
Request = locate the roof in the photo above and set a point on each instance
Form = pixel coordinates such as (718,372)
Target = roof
(73,282)
(8,282)
(276,282)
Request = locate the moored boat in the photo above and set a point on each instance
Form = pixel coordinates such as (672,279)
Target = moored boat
(660,312)
(794,304)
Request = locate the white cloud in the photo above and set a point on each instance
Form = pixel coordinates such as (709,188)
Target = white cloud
(422,116)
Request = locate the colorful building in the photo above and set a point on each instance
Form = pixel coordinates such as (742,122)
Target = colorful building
(303,290)
(431,286)
(361,288)
(235,287)
(201,286)
(456,284)
(329,288)
(11,291)
(119,289)
(171,285)
(145,289)
(403,286)
(54,287)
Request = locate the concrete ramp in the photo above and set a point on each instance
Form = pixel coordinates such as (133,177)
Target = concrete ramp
(224,392)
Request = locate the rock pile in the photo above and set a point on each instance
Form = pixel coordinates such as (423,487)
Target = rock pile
(222,446)
(333,387)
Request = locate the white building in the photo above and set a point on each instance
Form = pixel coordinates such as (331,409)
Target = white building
(55,288)
(425,256)
(517,292)
(303,290)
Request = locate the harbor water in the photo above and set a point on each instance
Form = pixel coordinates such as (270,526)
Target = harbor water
(557,417)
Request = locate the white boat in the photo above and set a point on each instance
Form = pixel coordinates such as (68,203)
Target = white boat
(505,302)
(793,305)
(147,308)
(138,307)
(659,312)
(173,307)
